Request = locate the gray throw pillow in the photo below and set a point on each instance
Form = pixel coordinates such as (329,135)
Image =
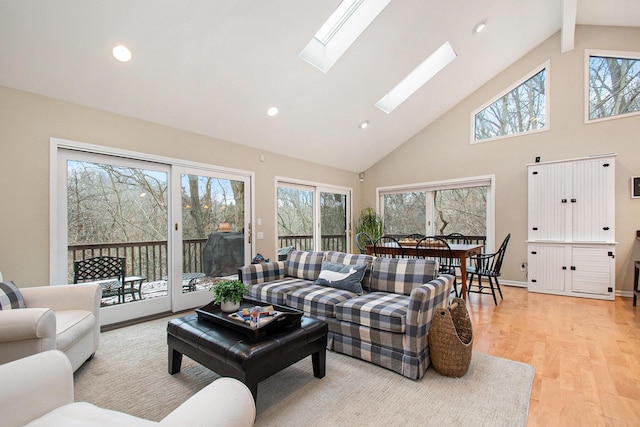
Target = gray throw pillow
(10,296)
(347,277)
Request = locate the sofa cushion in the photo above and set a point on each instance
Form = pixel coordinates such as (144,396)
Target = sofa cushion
(10,296)
(318,300)
(401,275)
(303,264)
(379,310)
(275,292)
(71,326)
(341,276)
(86,414)
(352,259)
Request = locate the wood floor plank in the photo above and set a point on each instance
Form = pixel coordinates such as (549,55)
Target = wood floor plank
(586,353)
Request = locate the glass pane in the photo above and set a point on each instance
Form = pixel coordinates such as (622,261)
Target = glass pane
(461,210)
(119,212)
(333,222)
(614,86)
(295,218)
(212,230)
(405,213)
(520,110)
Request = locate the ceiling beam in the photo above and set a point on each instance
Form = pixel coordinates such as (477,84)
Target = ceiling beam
(569,11)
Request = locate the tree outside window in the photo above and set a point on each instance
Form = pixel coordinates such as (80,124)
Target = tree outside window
(614,86)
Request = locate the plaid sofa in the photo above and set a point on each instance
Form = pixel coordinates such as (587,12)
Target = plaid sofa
(386,325)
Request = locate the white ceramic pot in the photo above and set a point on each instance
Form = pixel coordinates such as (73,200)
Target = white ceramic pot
(229,306)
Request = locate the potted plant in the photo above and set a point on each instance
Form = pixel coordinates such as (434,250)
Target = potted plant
(371,223)
(228,293)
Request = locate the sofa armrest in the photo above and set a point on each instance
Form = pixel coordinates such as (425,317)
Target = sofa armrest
(225,402)
(65,297)
(422,305)
(26,324)
(253,274)
(34,386)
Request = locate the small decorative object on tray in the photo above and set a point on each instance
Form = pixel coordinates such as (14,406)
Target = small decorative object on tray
(271,317)
(257,316)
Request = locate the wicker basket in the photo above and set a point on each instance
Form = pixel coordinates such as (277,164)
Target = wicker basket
(451,339)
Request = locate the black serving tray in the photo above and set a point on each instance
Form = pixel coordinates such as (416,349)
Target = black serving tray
(287,316)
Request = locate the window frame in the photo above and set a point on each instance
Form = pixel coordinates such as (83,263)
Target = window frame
(546,66)
(316,188)
(476,181)
(588,53)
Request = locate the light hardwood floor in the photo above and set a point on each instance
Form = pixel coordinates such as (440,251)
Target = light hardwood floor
(586,353)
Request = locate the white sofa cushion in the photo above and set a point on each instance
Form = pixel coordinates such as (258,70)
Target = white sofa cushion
(83,414)
(71,326)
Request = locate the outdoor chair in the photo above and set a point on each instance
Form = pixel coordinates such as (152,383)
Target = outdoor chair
(110,274)
(487,265)
(362,240)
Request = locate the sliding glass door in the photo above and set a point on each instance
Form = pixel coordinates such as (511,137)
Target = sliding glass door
(313,217)
(178,229)
(211,232)
(115,207)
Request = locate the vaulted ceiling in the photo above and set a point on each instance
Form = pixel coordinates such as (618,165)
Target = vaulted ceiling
(214,67)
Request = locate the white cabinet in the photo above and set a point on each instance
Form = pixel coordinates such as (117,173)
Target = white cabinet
(585,270)
(572,201)
(571,227)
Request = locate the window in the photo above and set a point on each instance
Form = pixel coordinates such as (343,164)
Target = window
(313,217)
(461,206)
(520,109)
(613,85)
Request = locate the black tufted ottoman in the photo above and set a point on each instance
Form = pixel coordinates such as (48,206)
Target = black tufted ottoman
(229,353)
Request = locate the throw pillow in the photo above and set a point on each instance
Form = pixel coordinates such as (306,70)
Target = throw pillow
(303,264)
(347,277)
(10,296)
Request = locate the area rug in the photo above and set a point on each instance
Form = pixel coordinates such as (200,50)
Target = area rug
(129,374)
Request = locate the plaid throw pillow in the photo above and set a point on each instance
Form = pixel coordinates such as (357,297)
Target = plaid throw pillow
(10,296)
(303,264)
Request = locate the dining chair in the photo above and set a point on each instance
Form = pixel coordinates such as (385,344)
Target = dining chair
(487,265)
(444,255)
(362,240)
(386,241)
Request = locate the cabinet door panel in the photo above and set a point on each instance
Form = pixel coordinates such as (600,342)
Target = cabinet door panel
(593,267)
(592,212)
(546,264)
(549,204)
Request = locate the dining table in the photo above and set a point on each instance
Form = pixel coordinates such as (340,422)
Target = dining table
(459,251)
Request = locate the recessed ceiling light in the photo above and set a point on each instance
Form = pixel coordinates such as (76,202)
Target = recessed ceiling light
(122,53)
(364,124)
(272,111)
(416,78)
(480,26)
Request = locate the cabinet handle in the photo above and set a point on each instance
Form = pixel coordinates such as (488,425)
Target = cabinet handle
(564,200)
(573,200)
(535,173)
(535,228)
(533,252)
(564,267)
(605,228)
(533,280)
(606,165)
(573,268)
(611,255)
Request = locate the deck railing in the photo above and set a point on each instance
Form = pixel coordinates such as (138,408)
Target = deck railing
(149,259)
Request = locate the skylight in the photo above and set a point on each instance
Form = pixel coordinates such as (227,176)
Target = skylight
(338,33)
(418,77)
(337,20)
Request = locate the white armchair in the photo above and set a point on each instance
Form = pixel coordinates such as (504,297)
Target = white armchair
(38,391)
(65,318)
